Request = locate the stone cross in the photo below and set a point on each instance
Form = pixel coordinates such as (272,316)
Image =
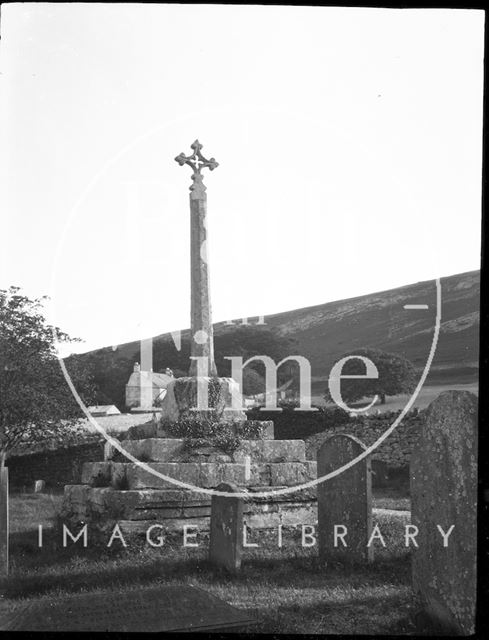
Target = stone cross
(202,336)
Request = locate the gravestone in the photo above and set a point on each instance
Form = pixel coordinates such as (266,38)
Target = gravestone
(155,609)
(444,493)
(344,501)
(226,529)
(4,523)
(109,451)
(39,486)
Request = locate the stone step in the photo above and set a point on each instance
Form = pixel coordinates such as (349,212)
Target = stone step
(137,510)
(124,476)
(175,525)
(285,515)
(166,503)
(210,475)
(151,504)
(153,430)
(168,450)
(271,451)
(155,449)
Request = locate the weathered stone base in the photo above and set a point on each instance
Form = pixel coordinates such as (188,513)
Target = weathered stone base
(154,429)
(123,492)
(185,396)
(137,510)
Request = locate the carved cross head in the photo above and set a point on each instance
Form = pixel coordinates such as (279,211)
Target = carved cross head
(196,160)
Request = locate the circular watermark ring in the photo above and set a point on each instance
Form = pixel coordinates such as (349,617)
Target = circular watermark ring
(287,490)
(244,494)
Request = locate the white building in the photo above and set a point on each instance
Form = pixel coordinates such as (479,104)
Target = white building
(145,388)
(104,410)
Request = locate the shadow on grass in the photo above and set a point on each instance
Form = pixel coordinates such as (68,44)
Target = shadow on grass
(37,572)
(386,615)
(99,577)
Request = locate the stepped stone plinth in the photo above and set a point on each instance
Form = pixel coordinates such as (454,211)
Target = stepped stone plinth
(119,491)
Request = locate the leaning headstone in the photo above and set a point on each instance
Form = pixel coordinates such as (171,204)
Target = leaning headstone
(226,529)
(444,494)
(39,486)
(344,501)
(4,524)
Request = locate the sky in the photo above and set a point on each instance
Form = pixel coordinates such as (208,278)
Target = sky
(349,144)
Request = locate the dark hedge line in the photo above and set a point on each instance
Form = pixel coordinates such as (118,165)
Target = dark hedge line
(297,425)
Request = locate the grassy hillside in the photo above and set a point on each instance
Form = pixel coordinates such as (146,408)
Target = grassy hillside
(324,332)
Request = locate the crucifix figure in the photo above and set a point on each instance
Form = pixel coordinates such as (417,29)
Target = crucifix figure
(202,335)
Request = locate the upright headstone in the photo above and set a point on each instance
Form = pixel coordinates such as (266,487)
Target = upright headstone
(226,530)
(4,523)
(444,494)
(39,486)
(344,501)
(109,451)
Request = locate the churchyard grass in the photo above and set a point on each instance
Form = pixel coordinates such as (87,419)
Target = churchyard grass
(287,589)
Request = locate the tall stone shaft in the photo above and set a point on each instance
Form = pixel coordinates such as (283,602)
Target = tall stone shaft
(202,335)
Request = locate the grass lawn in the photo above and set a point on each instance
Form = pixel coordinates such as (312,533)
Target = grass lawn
(287,590)
(425,397)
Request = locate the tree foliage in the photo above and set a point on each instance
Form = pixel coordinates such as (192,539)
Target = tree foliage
(253,382)
(110,373)
(239,340)
(396,375)
(36,403)
(249,340)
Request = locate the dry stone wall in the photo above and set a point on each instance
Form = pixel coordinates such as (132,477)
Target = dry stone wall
(395,452)
(56,467)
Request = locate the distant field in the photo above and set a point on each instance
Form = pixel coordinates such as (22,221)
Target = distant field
(424,398)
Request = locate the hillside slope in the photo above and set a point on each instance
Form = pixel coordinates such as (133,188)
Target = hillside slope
(379,320)
(324,332)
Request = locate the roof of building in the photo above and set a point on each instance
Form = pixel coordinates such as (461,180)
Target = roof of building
(104,409)
(158,380)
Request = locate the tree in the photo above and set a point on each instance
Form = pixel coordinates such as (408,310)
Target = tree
(249,340)
(110,373)
(396,375)
(36,404)
(237,340)
(253,382)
